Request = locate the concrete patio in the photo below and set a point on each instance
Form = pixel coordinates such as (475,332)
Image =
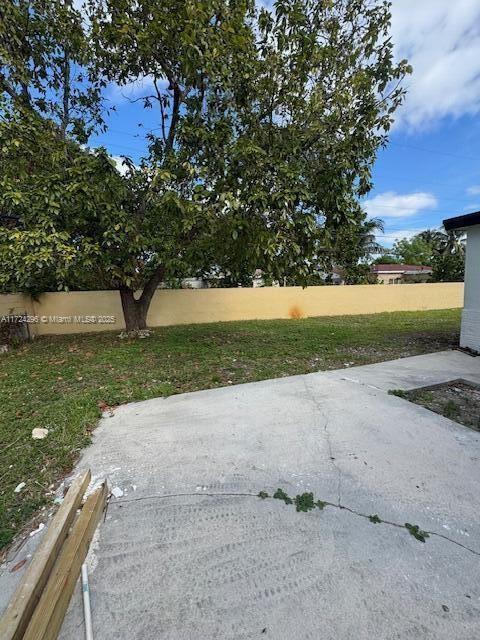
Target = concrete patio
(189,552)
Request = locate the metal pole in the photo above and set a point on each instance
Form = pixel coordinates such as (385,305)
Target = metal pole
(86,604)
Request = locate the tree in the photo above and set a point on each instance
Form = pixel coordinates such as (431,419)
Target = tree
(448,260)
(50,97)
(443,250)
(46,66)
(448,267)
(417,250)
(352,249)
(64,206)
(308,135)
(269,123)
(386,258)
(434,237)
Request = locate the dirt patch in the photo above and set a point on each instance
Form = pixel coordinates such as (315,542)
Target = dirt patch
(457,400)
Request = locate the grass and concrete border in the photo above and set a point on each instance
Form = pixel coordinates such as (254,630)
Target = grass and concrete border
(60,385)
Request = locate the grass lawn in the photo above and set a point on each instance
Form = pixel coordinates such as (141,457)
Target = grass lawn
(61,382)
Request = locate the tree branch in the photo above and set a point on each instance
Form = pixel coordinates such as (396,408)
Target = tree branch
(65,120)
(134,100)
(6,86)
(177,98)
(151,285)
(162,109)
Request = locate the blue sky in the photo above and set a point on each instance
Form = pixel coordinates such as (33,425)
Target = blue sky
(431,167)
(425,176)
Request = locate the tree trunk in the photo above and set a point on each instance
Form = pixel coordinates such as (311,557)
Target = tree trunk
(134,313)
(135,310)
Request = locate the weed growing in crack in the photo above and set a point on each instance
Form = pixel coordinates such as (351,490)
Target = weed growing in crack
(281,495)
(304,502)
(416,532)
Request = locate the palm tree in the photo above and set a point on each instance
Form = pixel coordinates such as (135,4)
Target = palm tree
(445,242)
(368,236)
(453,243)
(434,237)
(449,257)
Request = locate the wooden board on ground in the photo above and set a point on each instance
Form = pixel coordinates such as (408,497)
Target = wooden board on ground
(48,616)
(20,609)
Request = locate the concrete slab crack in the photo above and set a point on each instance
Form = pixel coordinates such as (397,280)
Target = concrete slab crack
(326,503)
(328,440)
(332,460)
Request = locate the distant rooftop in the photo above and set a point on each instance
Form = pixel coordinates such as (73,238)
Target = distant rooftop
(460,222)
(400,268)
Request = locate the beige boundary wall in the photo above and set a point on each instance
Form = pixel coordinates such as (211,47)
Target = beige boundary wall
(86,311)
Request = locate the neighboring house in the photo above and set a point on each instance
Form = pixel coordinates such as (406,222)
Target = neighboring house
(401,273)
(193,283)
(470,333)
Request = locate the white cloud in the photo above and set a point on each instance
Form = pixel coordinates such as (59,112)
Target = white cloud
(394,205)
(441,39)
(132,90)
(390,237)
(121,167)
(474,191)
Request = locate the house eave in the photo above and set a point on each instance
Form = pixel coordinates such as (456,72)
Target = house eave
(462,222)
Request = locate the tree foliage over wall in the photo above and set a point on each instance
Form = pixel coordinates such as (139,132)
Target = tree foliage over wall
(269,122)
(444,251)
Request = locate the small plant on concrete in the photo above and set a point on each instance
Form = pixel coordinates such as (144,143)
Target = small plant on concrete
(416,532)
(281,495)
(305,502)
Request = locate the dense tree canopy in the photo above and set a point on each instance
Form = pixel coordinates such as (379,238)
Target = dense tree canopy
(46,64)
(416,250)
(268,126)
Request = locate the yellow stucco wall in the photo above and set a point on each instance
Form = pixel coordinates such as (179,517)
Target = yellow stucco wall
(170,307)
(15,303)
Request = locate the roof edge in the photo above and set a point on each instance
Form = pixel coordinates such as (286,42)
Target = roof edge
(460,222)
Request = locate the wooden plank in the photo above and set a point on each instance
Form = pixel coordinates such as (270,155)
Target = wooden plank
(48,616)
(22,605)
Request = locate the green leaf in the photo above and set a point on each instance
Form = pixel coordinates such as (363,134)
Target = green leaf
(281,495)
(416,532)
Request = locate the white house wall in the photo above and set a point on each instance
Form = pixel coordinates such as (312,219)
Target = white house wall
(470,336)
